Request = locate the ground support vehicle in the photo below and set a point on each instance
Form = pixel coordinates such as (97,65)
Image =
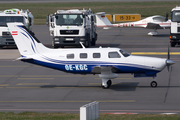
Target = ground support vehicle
(70,27)
(13,15)
(175,27)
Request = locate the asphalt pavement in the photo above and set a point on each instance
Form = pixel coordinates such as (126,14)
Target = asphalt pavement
(50,1)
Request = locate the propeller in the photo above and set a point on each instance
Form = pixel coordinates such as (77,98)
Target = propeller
(168,61)
(167,16)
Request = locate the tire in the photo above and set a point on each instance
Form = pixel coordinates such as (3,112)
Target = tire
(87,44)
(109,82)
(54,46)
(173,44)
(153,84)
(93,42)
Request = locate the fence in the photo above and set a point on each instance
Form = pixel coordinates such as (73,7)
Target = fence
(89,111)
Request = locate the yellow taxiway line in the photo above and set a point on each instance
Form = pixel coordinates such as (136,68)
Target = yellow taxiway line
(155,53)
(108,101)
(35,78)
(4,84)
(33,84)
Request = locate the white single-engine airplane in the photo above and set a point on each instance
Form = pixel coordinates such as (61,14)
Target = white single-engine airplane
(153,22)
(107,62)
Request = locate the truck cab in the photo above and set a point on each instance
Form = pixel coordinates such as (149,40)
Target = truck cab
(69,27)
(13,15)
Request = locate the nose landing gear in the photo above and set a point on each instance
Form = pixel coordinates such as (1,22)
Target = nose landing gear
(153,84)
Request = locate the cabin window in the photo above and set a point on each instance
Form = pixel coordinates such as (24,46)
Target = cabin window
(70,56)
(113,55)
(96,55)
(83,55)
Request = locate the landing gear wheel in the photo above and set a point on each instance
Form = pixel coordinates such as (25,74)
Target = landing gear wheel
(173,44)
(153,84)
(93,42)
(54,46)
(87,43)
(109,82)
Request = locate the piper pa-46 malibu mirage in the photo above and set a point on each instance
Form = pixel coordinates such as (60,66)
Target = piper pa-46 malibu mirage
(153,22)
(107,62)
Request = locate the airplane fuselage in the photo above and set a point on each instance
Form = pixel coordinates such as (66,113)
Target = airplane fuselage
(91,60)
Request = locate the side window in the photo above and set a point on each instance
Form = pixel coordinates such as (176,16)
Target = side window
(70,56)
(113,55)
(83,55)
(96,55)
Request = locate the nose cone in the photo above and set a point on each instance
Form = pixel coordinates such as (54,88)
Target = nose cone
(169,62)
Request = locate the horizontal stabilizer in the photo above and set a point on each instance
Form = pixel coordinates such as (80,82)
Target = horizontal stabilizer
(24,58)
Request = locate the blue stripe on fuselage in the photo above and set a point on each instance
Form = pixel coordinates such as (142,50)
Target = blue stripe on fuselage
(83,68)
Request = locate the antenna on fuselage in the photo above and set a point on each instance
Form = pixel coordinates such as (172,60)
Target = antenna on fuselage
(82,45)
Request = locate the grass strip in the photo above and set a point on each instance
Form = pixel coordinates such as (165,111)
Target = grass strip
(75,116)
(41,10)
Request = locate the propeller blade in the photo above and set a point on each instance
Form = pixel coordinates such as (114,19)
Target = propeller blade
(168,67)
(168,55)
(168,61)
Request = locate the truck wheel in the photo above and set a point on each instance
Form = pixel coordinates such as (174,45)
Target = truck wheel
(87,44)
(173,44)
(54,46)
(93,42)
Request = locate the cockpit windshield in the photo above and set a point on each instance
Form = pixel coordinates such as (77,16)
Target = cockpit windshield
(69,19)
(124,53)
(175,16)
(159,19)
(6,19)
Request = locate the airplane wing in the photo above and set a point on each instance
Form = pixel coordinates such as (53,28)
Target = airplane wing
(153,26)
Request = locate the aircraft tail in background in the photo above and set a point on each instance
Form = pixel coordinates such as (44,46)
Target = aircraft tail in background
(102,20)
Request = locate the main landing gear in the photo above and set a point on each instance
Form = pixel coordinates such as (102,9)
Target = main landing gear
(106,76)
(106,83)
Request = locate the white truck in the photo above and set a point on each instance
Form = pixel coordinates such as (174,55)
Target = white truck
(175,26)
(70,27)
(13,15)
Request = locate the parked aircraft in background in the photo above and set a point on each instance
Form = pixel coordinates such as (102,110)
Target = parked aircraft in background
(107,62)
(153,22)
